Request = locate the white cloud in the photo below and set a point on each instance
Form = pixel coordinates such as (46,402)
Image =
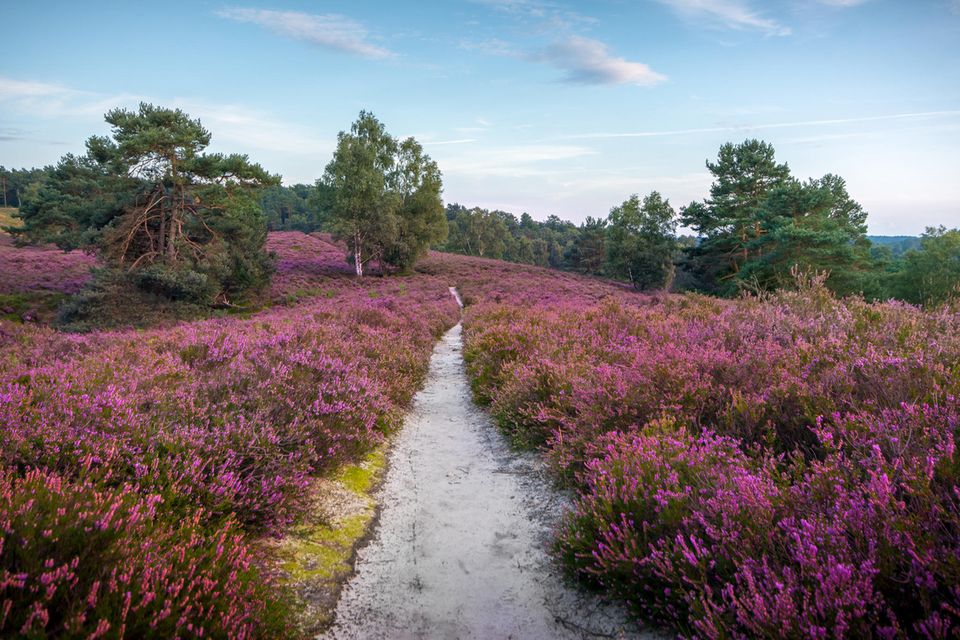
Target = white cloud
(12,89)
(330,31)
(612,182)
(438,143)
(490,46)
(545,14)
(747,128)
(587,61)
(510,161)
(243,128)
(843,3)
(47,100)
(733,14)
(246,129)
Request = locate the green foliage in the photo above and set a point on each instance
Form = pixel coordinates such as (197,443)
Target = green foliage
(588,253)
(897,245)
(120,299)
(727,222)
(421,221)
(189,286)
(641,243)
(14,183)
(761,225)
(384,196)
(476,232)
(301,207)
(498,234)
(30,306)
(9,218)
(149,198)
(813,226)
(930,275)
(79,198)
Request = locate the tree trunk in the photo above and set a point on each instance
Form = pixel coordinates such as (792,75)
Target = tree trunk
(161,250)
(172,232)
(356,254)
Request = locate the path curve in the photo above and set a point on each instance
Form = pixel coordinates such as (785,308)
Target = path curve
(459,550)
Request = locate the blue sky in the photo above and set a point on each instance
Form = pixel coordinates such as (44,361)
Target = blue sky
(543,106)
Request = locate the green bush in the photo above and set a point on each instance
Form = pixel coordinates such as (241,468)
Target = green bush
(176,284)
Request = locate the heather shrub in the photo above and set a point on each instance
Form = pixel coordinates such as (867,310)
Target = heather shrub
(781,466)
(78,561)
(202,436)
(665,517)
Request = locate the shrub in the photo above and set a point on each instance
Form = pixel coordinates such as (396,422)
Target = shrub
(176,284)
(776,467)
(77,561)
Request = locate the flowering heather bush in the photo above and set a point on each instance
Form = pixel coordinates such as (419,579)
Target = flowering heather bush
(758,468)
(80,561)
(217,425)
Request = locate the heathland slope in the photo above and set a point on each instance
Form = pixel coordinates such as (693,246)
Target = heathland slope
(757,467)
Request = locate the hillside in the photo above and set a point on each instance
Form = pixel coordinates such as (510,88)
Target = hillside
(788,447)
(284,408)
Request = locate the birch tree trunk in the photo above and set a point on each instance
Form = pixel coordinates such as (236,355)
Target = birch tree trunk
(356,254)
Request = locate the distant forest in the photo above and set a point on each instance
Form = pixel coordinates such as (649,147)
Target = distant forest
(760,229)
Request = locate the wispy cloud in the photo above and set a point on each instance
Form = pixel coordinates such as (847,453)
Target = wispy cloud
(610,181)
(546,14)
(490,46)
(583,60)
(761,127)
(240,126)
(514,161)
(11,134)
(329,31)
(439,143)
(480,125)
(843,3)
(50,100)
(588,61)
(244,128)
(12,89)
(732,14)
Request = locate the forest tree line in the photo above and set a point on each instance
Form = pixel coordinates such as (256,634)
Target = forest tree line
(758,228)
(194,224)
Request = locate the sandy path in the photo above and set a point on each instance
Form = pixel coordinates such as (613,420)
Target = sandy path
(459,552)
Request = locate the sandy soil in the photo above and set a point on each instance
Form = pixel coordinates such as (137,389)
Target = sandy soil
(465,521)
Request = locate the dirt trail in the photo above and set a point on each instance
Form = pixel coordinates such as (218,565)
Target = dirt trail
(459,552)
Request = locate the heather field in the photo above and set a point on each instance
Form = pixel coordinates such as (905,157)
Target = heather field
(34,280)
(782,466)
(775,467)
(139,467)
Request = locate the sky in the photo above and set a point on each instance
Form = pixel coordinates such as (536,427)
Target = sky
(538,106)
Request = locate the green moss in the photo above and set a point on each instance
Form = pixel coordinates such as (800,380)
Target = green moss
(323,551)
(360,478)
(316,555)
